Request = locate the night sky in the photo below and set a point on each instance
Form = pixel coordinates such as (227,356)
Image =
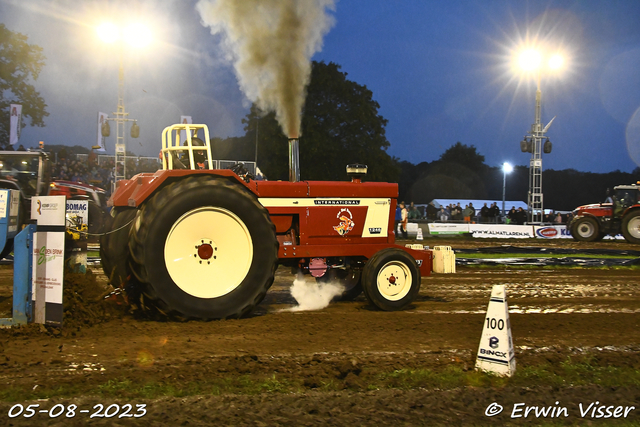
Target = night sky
(442,72)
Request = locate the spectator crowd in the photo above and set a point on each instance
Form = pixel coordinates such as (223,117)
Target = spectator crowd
(469,214)
(67,166)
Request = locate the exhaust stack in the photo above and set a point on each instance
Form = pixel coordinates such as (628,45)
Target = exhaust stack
(294,160)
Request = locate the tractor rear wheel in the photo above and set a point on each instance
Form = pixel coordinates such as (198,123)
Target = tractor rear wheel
(114,246)
(585,229)
(204,248)
(391,279)
(631,227)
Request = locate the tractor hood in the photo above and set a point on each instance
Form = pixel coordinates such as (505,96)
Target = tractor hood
(597,209)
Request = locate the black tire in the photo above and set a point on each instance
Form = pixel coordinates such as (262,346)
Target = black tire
(585,229)
(386,293)
(631,227)
(350,278)
(99,220)
(114,247)
(222,244)
(8,248)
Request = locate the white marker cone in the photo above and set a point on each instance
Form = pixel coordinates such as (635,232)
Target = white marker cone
(495,353)
(419,236)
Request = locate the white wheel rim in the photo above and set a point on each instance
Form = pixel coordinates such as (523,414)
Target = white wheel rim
(633,227)
(586,229)
(394,280)
(221,264)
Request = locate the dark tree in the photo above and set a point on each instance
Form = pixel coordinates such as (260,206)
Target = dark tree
(464,155)
(20,62)
(340,125)
(460,173)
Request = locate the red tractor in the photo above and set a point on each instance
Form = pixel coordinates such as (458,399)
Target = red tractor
(197,242)
(592,222)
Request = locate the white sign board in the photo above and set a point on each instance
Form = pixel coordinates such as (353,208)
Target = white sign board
(447,228)
(48,258)
(502,231)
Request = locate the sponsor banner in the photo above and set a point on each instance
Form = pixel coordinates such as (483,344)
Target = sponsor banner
(502,231)
(102,118)
(447,228)
(49,210)
(16,123)
(48,258)
(185,120)
(78,211)
(552,232)
(78,218)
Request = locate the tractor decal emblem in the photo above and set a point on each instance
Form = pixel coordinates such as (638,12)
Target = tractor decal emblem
(346,222)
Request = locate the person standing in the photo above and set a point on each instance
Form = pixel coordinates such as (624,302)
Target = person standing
(484,214)
(494,213)
(511,216)
(558,218)
(414,213)
(398,218)
(467,213)
(404,220)
(473,213)
(521,216)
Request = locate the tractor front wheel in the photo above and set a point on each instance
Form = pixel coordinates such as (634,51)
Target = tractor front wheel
(631,227)
(204,248)
(585,229)
(391,279)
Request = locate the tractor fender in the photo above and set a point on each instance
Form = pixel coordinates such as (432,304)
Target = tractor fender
(135,191)
(423,257)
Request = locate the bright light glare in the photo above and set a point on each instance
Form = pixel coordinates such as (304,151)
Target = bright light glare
(108,32)
(137,35)
(529,60)
(507,168)
(556,62)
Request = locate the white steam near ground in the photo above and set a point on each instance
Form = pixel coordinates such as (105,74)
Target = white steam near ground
(313,295)
(272,43)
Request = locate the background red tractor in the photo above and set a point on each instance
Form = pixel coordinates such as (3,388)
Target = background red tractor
(205,243)
(622,215)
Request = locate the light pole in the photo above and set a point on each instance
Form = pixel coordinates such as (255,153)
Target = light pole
(531,61)
(137,36)
(506,168)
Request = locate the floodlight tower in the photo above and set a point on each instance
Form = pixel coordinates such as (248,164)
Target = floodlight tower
(531,61)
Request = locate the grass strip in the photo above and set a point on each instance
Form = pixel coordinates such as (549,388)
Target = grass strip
(565,374)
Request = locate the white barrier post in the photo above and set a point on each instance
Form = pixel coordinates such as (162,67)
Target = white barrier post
(444,259)
(496,353)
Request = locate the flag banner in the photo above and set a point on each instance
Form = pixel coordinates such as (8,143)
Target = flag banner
(102,118)
(16,123)
(183,134)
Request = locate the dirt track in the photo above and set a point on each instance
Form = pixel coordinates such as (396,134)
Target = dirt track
(332,356)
